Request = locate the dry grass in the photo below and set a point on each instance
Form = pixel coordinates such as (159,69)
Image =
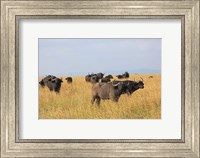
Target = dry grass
(73,102)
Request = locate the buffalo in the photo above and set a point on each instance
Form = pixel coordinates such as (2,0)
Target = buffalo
(119,76)
(45,80)
(94,79)
(106,91)
(87,78)
(131,86)
(109,76)
(54,84)
(105,79)
(69,80)
(150,76)
(125,75)
(99,75)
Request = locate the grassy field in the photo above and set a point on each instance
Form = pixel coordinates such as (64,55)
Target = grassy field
(74,101)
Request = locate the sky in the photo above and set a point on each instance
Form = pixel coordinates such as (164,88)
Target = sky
(77,57)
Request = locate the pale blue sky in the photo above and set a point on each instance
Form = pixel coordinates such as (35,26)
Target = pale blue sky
(71,57)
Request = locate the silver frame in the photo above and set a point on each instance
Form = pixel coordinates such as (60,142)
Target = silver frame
(13,11)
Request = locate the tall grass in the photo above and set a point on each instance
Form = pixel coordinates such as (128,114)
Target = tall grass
(74,101)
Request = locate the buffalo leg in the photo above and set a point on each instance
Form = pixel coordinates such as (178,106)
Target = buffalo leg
(93,100)
(98,101)
(115,99)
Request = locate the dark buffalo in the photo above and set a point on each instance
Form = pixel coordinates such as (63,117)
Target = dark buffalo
(45,80)
(69,80)
(54,84)
(150,76)
(99,75)
(119,76)
(131,86)
(125,75)
(105,80)
(109,76)
(106,91)
(94,79)
(87,78)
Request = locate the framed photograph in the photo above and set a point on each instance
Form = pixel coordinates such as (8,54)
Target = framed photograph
(100,78)
(81,94)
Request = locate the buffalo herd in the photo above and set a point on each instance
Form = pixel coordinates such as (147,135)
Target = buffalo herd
(102,86)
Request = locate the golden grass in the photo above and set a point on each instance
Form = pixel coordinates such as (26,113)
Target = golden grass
(74,101)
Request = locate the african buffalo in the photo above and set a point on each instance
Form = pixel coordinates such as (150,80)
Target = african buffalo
(130,86)
(69,79)
(105,80)
(125,75)
(45,80)
(119,76)
(94,79)
(99,75)
(106,91)
(87,78)
(109,76)
(54,84)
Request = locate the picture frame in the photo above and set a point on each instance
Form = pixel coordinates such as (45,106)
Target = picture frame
(12,11)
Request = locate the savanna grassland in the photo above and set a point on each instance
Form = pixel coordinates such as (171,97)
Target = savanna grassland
(74,101)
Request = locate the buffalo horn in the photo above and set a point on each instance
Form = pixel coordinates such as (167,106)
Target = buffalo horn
(116,84)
